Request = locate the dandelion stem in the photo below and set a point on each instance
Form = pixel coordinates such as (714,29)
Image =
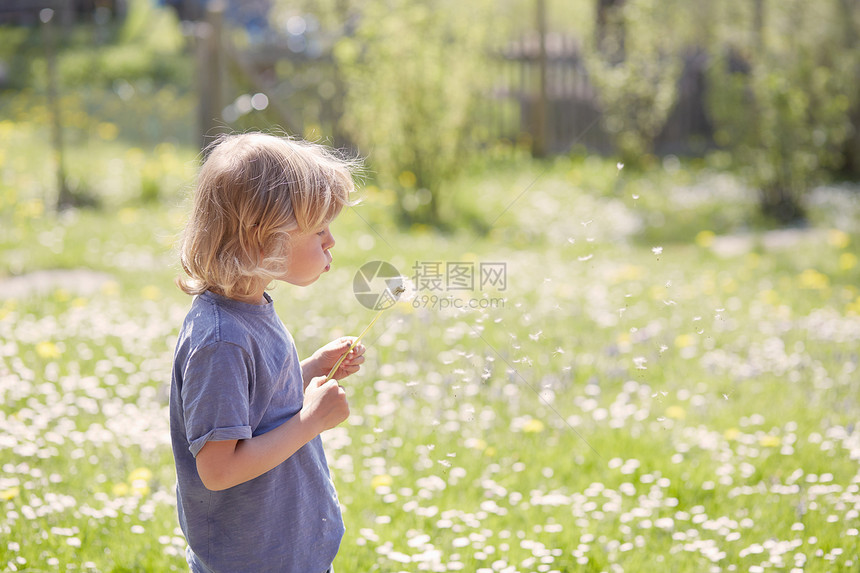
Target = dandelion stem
(397,291)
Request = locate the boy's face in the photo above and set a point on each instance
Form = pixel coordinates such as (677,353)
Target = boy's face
(309,256)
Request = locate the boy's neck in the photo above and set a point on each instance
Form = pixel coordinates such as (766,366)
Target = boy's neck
(257,297)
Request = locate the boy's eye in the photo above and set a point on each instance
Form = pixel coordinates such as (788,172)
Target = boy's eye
(321,233)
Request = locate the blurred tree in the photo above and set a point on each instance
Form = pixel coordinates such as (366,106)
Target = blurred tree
(850,18)
(413,72)
(609,30)
(635,66)
(781,95)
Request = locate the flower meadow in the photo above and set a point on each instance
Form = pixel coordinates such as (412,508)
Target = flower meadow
(652,391)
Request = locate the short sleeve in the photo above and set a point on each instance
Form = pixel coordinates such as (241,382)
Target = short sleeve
(215,395)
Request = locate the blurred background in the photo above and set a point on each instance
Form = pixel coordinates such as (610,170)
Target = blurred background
(671,189)
(105,101)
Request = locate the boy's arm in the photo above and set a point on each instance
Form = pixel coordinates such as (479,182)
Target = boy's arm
(227,463)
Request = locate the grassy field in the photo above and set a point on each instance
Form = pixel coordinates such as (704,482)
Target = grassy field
(656,386)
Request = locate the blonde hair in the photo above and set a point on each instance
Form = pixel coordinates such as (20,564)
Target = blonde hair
(252,191)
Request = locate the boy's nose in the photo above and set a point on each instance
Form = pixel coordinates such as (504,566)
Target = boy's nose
(329,240)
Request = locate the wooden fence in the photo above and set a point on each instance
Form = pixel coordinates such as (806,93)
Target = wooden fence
(559,107)
(573,113)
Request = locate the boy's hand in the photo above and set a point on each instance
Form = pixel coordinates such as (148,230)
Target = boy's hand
(326,357)
(325,403)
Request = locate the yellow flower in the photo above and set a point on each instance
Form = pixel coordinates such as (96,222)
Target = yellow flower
(477,444)
(32,209)
(676,412)
(769,296)
(381,480)
(658,292)
(533,426)
(47,349)
(753,260)
(120,489)
(684,340)
(729,285)
(139,487)
(490,452)
(8,494)
(847,261)
(312,131)
(732,434)
(150,292)
(107,131)
(127,215)
(814,280)
(839,239)
(140,474)
(769,441)
(705,239)
(110,288)
(407,179)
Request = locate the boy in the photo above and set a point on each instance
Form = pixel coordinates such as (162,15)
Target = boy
(253,486)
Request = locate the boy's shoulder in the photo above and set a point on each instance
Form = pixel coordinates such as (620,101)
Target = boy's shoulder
(214,319)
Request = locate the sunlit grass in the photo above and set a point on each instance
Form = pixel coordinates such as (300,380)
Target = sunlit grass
(640,402)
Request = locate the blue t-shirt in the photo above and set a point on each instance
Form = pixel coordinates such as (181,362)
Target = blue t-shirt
(236,374)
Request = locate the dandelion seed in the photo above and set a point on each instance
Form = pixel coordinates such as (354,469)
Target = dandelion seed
(536,335)
(619,165)
(640,362)
(585,258)
(586,223)
(635,196)
(399,557)
(657,250)
(571,240)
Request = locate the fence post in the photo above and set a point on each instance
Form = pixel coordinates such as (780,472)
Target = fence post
(210,73)
(64,197)
(539,143)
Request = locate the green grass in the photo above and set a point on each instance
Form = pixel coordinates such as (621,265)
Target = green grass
(638,403)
